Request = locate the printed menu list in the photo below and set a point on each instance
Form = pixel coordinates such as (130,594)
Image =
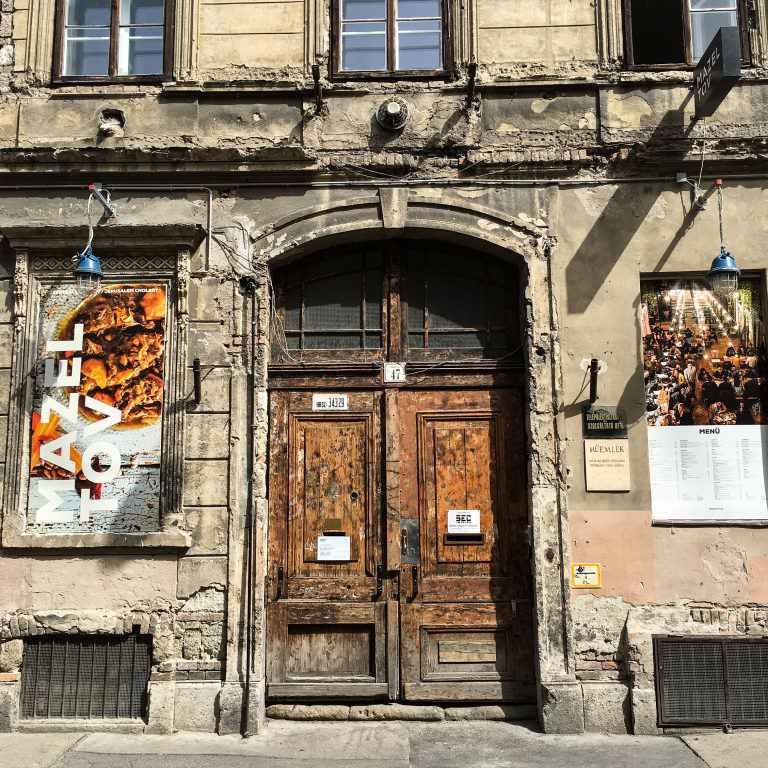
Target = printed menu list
(708,472)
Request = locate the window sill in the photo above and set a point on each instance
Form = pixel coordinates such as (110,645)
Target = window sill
(390,77)
(173,539)
(126,80)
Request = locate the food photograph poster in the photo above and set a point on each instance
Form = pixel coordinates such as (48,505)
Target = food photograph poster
(96,422)
(704,362)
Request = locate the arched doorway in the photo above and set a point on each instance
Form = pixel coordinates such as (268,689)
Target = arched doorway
(399,564)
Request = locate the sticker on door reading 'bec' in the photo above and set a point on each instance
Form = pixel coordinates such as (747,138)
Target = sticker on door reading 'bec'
(463,521)
(334,548)
(330,402)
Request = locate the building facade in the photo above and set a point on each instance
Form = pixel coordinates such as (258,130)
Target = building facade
(320,434)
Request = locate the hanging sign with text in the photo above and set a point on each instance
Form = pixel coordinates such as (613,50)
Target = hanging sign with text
(717,71)
(604,421)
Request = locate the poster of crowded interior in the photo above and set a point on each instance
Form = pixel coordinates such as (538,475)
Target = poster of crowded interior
(97,406)
(706,387)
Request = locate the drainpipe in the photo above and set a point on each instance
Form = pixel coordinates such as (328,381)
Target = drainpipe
(248,286)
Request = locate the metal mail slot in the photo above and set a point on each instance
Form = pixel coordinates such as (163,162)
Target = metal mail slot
(474,539)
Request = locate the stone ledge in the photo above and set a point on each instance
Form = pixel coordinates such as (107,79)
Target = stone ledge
(396,711)
(153,540)
(89,726)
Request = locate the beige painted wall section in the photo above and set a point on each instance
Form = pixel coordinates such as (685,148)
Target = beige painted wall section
(607,237)
(544,31)
(251,34)
(40,583)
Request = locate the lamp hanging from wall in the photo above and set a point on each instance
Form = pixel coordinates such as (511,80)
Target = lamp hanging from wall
(87,265)
(724,273)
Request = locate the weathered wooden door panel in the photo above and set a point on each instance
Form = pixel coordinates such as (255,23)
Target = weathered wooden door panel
(465,621)
(327,616)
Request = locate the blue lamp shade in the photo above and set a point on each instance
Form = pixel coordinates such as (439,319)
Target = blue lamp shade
(88,269)
(724,274)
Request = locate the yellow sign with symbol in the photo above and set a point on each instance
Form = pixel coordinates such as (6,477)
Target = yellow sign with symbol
(586,576)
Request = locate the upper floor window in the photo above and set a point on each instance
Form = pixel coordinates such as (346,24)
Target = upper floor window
(390,36)
(677,32)
(112,39)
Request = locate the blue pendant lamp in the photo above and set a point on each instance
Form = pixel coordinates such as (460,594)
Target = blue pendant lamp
(88,269)
(724,273)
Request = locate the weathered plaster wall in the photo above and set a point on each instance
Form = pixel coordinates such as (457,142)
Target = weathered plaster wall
(657,579)
(180,598)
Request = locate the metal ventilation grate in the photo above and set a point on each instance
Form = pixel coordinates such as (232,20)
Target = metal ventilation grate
(711,680)
(85,676)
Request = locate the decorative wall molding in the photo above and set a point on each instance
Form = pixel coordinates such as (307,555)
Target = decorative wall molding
(610,32)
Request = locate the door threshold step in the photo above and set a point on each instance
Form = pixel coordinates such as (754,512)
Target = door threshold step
(412,712)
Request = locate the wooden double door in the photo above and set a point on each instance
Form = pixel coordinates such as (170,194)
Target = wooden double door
(399,564)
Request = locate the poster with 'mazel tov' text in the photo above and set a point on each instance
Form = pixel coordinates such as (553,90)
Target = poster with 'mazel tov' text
(96,422)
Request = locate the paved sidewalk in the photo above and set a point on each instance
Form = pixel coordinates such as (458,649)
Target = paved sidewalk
(359,745)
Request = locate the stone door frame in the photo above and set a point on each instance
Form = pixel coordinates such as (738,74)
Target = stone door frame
(398,212)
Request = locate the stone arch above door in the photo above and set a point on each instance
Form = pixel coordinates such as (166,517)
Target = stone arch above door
(390,213)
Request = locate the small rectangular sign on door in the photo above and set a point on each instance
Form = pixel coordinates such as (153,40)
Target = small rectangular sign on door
(463,521)
(333,548)
(326,402)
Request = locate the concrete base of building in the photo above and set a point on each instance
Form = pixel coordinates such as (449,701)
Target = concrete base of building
(561,707)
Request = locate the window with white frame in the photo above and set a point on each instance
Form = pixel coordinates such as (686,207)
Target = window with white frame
(390,36)
(112,38)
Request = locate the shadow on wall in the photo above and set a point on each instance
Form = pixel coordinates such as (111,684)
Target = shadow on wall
(607,240)
(605,243)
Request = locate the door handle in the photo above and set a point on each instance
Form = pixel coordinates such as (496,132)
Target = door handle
(280,583)
(379,581)
(415,580)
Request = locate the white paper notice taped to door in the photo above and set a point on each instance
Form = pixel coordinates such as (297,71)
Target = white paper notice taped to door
(463,521)
(334,548)
(326,402)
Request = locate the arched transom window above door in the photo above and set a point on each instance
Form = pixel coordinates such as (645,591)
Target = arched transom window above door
(396,300)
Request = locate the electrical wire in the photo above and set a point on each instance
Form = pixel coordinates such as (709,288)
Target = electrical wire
(76,258)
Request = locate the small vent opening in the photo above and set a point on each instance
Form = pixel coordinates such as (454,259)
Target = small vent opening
(85,676)
(711,681)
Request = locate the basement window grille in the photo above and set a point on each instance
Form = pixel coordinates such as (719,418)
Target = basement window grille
(85,676)
(711,681)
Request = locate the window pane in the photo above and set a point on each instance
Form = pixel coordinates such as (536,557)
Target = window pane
(290,300)
(418,45)
(333,303)
(712,5)
(86,56)
(704,27)
(363,46)
(373,341)
(657,32)
(410,9)
(373,281)
(332,341)
(88,13)
(451,304)
(456,340)
(142,12)
(141,51)
(363,9)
